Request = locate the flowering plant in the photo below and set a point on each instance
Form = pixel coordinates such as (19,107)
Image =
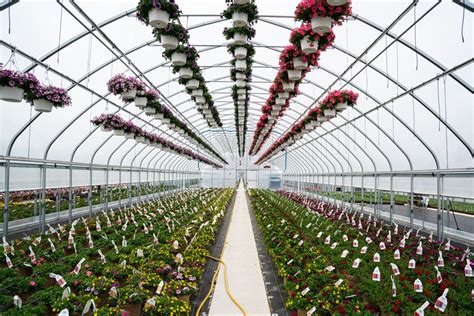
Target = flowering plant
(172,29)
(145,6)
(58,96)
(290,52)
(190,51)
(324,40)
(25,81)
(150,95)
(250,49)
(339,96)
(245,30)
(310,9)
(250,8)
(120,83)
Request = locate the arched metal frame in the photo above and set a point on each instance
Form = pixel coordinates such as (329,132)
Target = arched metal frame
(310,146)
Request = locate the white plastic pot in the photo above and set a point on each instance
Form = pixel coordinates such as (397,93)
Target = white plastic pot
(118,132)
(241,91)
(308,46)
(329,113)
(241,97)
(280,101)
(207,112)
(276,107)
(240,64)
(205,106)
(241,1)
(241,103)
(158,116)
(299,64)
(140,139)
(240,76)
(192,84)
(200,100)
(140,102)
(321,24)
(42,105)
(165,120)
(178,59)
(240,39)
(275,113)
(149,110)
(294,75)
(169,42)
(335,3)
(129,135)
(240,52)
(130,94)
(288,86)
(158,18)
(147,141)
(322,119)
(341,106)
(11,94)
(171,125)
(185,73)
(284,95)
(240,19)
(197,93)
(240,83)
(103,128)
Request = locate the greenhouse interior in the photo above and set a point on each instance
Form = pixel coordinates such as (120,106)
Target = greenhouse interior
(236,157)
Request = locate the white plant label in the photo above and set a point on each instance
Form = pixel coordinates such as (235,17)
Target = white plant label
(78,266)
(376,274)
(419,249)
(382,245)
(376,257)
(396,254)
(356,263)
(440,260)
(305,291)
(439,278)
(442,301)
(355,243)
(363,250)
(468,269)
(9,262)
(395,269)
(339,282)
(412,264)
(344,253)
(311,311)
(421,311)
(59,279)
(394,287)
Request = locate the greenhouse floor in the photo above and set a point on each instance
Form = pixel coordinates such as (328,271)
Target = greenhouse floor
(245,279)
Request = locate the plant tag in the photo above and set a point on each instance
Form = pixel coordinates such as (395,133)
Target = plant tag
(32,255)
(344,253)
(356,263)
(376,274)
(327,241)
(9,262)
(395,269)
(109,223)
(442,301)
(345,238)
(179,258)
(330,268)
(311,311)
(123,264)
(102,257)
(440,260)
(363,250)
(175,245)
(17,301)
(394,287)
(396,254)
(412,264)
(70,239)
(75,249)
(295,236)
(90,243)
(124,242)
(421,311)
(418,286)
(309,225)
(53,248)
(468,269)
(334,245)
(115,247)
(77,268)
(376,257)
(305,291)
(289,262)
(368,240)
(382,245)
(300,242)
(419,249)
(378,232)
(66,293)
(447,246)
(355,243)
(90,306)
(97,226)
(339,282)
(37,241)
(160,287)
(389,236)
(59,279)
(402,242)
(439,277)
(140,253)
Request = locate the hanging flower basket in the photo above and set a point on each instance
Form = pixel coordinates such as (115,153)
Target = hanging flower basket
(42,105)
(169,42)
(197,93)
(130,94)
(178,59)
(185,73)
(275,113)
(321,119)
(11,94)
(14,85)
(241,97)
(140,139)
(336,3)
(241,91)
(165,120)
(158,116)
(280,101)
(240,52)
(240,64)
(129,135)
(283,95)
(288,86)
(294,75)
(158,18)
(240,76)
(105,128)
(140,102)
(341,106)
(240,19)
(241,1)
(118,132)
(192,84)
(149,110)
(329,113)
(299,64)
(308,46)
(240,39)
(205,106)
(277,107)
(45,97)
(321,24)
(125,86)
(240,83)
(200,100)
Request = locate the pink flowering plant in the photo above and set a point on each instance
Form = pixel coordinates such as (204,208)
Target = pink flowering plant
(291,51)
(324,40)
(120,83)
(151,94)
(310,9)
(339,96)
(17,79)
(145,6)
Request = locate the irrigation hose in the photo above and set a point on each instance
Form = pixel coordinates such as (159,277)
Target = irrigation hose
(214,277)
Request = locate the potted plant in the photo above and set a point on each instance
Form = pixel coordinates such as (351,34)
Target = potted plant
(157,13)
(145,96)
(14,85)
(45,97)
(171,35)
(241,14)
(239,35)
(321,14)
(125,86)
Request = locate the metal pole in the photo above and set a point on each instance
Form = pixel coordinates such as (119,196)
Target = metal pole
(6,210)
(391,199)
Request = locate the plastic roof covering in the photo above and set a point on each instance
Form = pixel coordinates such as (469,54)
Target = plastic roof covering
(375,51)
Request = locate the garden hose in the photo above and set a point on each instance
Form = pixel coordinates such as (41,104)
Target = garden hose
(214,277)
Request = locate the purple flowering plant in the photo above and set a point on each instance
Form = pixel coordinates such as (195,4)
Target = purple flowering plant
(151,94)
(58,96)
(12,78)
(120,83)
(172,29)
(145,6)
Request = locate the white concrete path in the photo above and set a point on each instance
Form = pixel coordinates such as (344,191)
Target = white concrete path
(243,268)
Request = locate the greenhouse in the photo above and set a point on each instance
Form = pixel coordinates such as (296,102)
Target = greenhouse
(236,157)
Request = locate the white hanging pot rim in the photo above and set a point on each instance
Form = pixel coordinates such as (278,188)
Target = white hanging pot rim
(11,94)
(158,18)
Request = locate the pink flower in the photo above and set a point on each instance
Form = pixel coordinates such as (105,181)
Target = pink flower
(32,283)
(88,273)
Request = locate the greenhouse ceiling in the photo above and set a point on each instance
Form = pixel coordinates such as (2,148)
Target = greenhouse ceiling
(409,63)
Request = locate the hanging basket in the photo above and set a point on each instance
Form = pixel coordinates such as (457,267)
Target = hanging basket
(205,106)
(11,94)
(241,97)
(240,53)
(276,107)
(165,121)
(241,1)
(197,93)
(240,19)
(149,110)
(178,59)
(104,128)
(284,95)
(118,132)
(42,105)
(329,113)
(169,42)
(275,113)
(129,135)
(140,139)
(321,24)
(158,18)
(140,102)
(280,101)
(240,39)
(185,73)
(322,119)
(240,65)
(241,91)
(192,84)
(240,76)
(240,83)
(288,86)
(200,100)
(308,46)
(130,94)
(299,64)
(159,116)
(294,75)
(335,3)
(341,106)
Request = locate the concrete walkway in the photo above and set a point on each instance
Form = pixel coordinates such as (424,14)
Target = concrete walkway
(244,273)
